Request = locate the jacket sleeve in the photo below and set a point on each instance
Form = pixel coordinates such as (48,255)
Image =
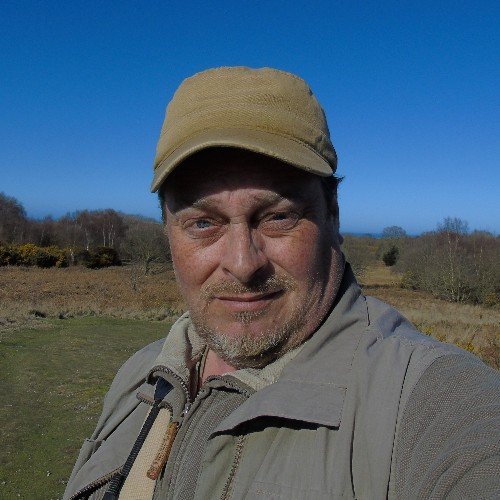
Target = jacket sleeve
(448,440)
(119,403)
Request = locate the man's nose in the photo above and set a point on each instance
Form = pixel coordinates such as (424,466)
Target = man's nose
(243,254)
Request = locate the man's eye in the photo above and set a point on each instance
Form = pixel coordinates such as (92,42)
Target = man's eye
(202,224)
(280,221)
(200,228)
(279,216)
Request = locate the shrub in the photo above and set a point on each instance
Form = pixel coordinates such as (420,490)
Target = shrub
(103,257)
(82,257)
(391,256)
(9,255)
(453,266)
(410,280)
(32,255)
(50,257)
(27,254)
(491,298)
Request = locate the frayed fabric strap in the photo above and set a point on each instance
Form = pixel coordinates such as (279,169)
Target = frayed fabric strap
(115,486)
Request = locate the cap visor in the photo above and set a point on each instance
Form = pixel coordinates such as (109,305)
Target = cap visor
(283,148)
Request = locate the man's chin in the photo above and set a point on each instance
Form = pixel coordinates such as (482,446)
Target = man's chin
(246,344)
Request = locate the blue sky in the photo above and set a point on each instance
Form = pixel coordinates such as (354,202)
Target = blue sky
(410,90)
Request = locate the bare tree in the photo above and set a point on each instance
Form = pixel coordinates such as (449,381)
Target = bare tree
(453,225)
(145,242)
(454,265)
(13,220)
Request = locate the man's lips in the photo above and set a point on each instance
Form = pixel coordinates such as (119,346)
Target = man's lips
(248,302)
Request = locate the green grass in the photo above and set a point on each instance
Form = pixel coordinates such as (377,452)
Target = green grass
(52,382)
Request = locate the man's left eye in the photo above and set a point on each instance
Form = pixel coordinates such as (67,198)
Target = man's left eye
(280,221)
(203,224)
(279,216)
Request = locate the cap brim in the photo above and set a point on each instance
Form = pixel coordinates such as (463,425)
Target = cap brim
(276,146)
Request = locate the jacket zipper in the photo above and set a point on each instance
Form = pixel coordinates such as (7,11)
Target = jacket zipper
(240,442)
(96,484)
(182,431)
(143,398)
(178,379)
(180,435)
(226,491)
(231,384)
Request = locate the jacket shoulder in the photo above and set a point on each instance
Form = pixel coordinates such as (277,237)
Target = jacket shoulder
(121,397)
(388,325)
(119,422)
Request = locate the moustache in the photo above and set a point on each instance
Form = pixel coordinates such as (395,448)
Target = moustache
(271,284)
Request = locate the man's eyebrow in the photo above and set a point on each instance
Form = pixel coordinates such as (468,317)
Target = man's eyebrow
(264,200)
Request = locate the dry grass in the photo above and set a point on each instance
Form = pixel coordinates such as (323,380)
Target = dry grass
(29,294)
(474,328)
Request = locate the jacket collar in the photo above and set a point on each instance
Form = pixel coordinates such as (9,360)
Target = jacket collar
(312,386)
(309,384)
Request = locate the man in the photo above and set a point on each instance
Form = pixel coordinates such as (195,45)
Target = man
(282,380)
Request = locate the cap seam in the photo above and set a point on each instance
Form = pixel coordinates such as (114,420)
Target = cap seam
(194,113)
(297,141)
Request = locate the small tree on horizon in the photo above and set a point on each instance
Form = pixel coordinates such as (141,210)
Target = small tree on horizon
(393,232)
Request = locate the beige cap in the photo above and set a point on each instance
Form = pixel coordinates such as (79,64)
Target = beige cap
(262,110)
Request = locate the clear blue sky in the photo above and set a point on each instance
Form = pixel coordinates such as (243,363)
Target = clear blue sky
(410,89)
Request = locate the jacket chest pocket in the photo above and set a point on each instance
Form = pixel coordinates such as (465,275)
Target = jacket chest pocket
(291,463)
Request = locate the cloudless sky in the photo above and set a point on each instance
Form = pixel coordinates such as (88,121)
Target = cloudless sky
(410,90)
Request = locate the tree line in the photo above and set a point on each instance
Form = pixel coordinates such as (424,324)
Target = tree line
(92,237)
(450,262)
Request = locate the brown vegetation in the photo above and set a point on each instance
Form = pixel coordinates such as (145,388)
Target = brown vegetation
(472,327)
(28,295)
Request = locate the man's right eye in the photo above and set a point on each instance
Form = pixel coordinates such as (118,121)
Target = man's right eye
(200,228)
(202,224)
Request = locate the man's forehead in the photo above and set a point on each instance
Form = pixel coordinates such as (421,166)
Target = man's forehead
(200,178)
(205,197)
(260,198)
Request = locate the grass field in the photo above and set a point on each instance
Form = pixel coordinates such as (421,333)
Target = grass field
(52,381)
(65,332)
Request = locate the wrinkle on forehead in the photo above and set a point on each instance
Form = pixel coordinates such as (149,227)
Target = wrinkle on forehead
(275,181)
(263,200)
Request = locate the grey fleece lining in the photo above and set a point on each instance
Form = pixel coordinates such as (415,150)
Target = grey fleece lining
(183,343)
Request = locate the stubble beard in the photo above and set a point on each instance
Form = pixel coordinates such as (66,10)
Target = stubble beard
(251,349)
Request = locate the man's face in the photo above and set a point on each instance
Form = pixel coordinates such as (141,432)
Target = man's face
(255,251)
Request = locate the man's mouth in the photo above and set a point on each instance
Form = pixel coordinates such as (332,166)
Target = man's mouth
(248,301)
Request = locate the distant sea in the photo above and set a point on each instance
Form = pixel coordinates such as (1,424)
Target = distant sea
(352,233)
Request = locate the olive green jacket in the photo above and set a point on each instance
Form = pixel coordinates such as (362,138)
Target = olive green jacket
(367,408)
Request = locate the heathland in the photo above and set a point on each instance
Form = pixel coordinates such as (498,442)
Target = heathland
(65,331)
(80,294)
